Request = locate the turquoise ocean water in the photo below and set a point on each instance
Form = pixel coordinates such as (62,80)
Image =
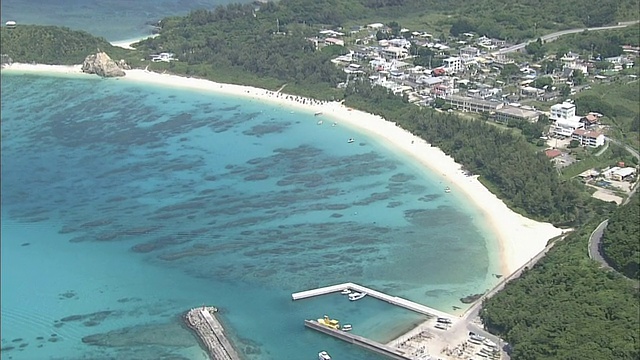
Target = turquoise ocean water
(124,205)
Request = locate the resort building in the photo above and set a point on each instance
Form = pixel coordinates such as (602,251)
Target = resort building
(588,138)
(471,104)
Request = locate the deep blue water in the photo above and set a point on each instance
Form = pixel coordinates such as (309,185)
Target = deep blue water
(123,205)
(113,19)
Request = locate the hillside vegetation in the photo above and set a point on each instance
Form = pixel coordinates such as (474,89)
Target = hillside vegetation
(621,241)
(567,308)
(53,45)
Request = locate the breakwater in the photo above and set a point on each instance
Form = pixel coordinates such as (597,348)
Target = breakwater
(202,320)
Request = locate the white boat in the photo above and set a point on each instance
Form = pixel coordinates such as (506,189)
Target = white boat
(350,140)
(320,122)
(318,113)
(441,326)
(345,292)
(347,327)
(356,296)
(334,124)
(323,355)
(447,189)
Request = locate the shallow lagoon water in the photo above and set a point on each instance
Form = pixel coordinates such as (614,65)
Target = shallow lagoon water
(124,205)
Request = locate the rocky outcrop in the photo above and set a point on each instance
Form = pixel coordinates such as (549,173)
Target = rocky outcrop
(123,65)
(101,64)
(5,60)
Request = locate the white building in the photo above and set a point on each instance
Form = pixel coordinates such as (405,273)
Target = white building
(453,64)
(588,138)
(566,127)
(619,174)
(563,111)
(565,120)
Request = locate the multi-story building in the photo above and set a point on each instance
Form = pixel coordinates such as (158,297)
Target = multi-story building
(472,104)
(588,138)
(453,64)
(563,111)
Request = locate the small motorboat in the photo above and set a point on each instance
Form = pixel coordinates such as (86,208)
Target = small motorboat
(356,296)
(447,190)
(320,122)
(350,140)
(323,355)
(346,327)
(334,124)
(318,113)
(345,292)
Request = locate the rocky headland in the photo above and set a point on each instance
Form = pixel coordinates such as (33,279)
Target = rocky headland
(102,65)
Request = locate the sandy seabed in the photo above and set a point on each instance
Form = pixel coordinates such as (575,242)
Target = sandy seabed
(519,238)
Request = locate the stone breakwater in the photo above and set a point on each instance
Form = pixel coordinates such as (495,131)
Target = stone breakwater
(203,321)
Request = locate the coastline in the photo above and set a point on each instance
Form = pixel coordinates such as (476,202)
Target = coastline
(519,238)
(126,44)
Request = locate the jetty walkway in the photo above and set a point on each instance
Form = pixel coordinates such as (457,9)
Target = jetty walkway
(209,330)
(389,351)
(394,300)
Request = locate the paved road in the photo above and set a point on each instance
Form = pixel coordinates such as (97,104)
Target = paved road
(557,34)
(595,245)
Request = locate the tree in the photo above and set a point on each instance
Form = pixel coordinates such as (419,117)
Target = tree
(578,77)
(565,90)
(536,49)
(573,144)
(543,82)
(461,26)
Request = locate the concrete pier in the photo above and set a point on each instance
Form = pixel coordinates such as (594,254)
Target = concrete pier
(360,341)
(203,321)
(395,300)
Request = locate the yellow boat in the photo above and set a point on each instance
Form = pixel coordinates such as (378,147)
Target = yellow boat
(332,323)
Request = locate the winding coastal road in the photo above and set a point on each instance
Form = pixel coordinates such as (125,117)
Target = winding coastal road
(595,245)
(557,34)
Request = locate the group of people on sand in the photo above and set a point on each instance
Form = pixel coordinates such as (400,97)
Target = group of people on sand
(299,99)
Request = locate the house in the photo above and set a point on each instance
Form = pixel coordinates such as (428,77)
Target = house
(395,52)
(515,113)
(166,57)
(619,174)
(589,120)
(469,52)
(375,26)
(552,153)
(471,104)
(334,41)
(588,138)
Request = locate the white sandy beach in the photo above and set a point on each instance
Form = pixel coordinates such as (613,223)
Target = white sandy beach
(520,239)
(126,44)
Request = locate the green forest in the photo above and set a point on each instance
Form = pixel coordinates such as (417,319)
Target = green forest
(563,308)
(566,307)
(621,240)
(53,45)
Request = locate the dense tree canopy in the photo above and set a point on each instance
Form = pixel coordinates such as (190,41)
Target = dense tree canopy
(621,241)
(52,45)
(567,308)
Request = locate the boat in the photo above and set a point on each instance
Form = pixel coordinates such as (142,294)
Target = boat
(318,113)
(323,355)
(320,122)
(356,296)
(334,124)
(350,140)
(441,326)
(447,189)
(345,292)
(332,323)
(346,327)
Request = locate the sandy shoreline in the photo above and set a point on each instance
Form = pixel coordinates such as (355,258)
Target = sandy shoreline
(126,44)
(519,238)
